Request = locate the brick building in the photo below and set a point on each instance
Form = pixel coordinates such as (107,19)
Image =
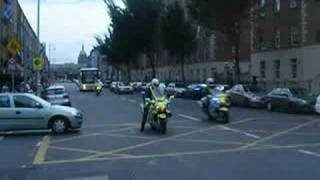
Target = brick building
(285,37)
(212,58)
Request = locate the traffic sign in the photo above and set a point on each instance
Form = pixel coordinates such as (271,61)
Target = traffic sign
(13,46)
(37,63)
(12,65)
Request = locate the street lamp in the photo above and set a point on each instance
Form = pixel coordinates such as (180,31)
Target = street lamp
(38,77)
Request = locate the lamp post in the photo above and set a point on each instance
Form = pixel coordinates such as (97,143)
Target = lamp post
(38,77)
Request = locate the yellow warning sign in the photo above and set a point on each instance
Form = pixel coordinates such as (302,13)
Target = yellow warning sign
(37,63)
(13,46)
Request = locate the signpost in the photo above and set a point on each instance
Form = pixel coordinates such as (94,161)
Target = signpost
(13,46)
(12,69)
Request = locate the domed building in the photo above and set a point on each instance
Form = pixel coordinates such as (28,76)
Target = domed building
(83,59)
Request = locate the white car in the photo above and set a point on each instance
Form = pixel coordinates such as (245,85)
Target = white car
(124,88)
(317,106)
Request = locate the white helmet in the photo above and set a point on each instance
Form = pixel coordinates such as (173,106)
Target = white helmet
(155,82)
(210,81)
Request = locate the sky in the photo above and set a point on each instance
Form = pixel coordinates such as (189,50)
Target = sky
(67,24)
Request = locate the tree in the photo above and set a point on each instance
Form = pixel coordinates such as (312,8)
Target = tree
(133,30)
(224,16)
(178,34)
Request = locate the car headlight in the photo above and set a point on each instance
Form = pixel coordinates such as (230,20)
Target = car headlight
(77,114)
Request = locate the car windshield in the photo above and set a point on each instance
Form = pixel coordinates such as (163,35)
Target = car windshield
(180,85)
(247,89)
(57,91)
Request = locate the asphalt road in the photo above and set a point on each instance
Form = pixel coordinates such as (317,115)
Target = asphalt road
(256,145)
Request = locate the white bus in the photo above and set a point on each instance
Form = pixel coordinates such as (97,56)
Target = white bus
(88,76)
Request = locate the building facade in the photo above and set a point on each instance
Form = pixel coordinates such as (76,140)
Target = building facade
(14,25)
(212,58)
(285,37)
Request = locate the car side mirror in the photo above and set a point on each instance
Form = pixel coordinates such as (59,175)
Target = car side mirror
(38,106)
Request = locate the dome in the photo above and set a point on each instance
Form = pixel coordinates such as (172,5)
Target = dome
(83,52)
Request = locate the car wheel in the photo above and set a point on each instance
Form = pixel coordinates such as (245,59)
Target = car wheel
(59,126)
(269,106)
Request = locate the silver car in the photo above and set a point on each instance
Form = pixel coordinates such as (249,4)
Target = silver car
(57,95)
(28,112)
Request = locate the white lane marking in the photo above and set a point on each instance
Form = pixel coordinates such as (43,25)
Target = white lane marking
(189,117)
(309,153)
(241,132)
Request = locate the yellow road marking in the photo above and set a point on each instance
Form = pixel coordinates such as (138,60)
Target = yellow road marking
(84,151)
(161,140)
(180,154)
(41,153)
(127,136)
(95,126)
(278,134)
(91,134)
(74,149)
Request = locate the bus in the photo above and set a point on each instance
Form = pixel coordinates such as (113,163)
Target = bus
(88,76)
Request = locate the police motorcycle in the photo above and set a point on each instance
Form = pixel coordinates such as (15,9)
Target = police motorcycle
(159,113)
(216,105)
(98,88)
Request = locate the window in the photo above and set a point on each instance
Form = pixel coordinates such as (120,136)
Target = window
(4,102)
(277,68)
(263,69)
(204,74)
(318,36)
(293,36)
(293,3)
(213,72)
(276,6)
(294,68)
(198,74)
(262,3)
(277,39)
(24,102)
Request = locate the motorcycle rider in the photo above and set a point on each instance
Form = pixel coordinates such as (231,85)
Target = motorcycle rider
(97,83)
(153,89)
(209,83)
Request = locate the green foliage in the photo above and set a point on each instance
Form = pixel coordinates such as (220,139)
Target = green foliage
(178,33)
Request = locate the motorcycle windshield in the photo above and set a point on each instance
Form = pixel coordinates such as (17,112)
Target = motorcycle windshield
(159,93)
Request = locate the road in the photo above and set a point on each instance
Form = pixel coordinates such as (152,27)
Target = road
(256,145)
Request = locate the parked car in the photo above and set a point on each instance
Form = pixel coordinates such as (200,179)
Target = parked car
(27,112)
(113,86)
(317,106)
(241,95)
(176,89)
(196,91)
(107,83)
(124,88)
(57,95)
(137,85)
(290,100)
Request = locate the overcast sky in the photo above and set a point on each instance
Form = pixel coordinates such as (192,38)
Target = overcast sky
(67,24)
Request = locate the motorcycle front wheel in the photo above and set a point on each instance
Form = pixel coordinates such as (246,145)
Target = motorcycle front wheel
(163,126)
(224,117)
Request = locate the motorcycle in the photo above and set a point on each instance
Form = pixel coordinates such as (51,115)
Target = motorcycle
(216,106)
(98,90)
(159,113)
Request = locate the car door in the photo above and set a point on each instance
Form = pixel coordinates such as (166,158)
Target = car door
(284,99)
(6,113)
(27,114)
(236,95)
(279,99)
